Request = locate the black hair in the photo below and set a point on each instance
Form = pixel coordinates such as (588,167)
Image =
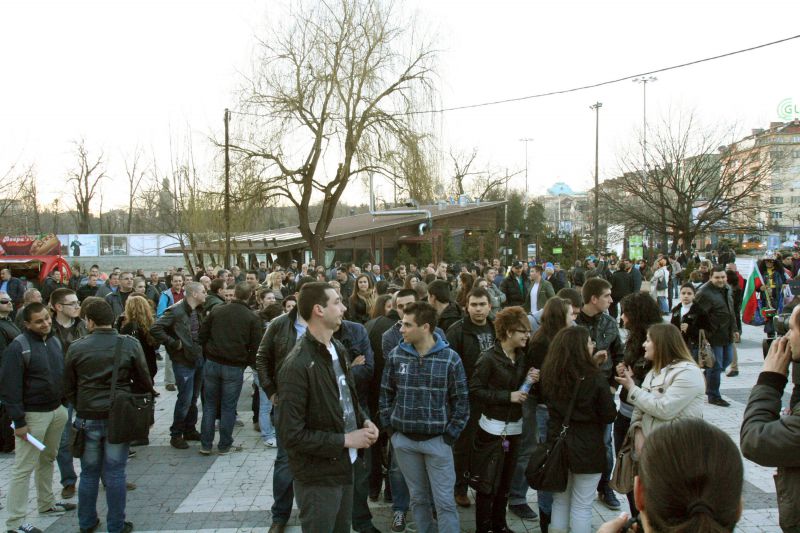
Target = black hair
(423,313)
(31,309)
(440,290)
(100,312)
(312,293)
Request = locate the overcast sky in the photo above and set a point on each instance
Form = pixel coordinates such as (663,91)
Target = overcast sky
(122,73)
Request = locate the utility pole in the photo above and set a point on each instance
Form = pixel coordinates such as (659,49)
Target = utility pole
(596,108)
(526,140)
(227,119)
(644,80)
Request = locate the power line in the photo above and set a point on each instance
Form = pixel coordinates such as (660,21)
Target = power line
(573,89)
(595,85)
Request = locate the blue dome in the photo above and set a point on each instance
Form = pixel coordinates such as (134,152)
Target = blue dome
(560,188)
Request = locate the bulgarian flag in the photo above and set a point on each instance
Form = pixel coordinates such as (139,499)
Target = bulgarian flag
(750,298)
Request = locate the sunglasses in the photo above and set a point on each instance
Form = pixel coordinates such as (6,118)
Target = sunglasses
(5,301)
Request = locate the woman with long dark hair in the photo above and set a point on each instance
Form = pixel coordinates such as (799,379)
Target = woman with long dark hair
(690,479)
(465,283)
(556,315)
(639,312)
(569,369)
(362,300)
(495,384)
(672,389)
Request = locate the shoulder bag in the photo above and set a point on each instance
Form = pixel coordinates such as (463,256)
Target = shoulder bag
(548,468)
(625,468)
(705,354)
(130,415)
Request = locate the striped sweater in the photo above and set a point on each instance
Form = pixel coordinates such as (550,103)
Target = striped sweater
(425,395)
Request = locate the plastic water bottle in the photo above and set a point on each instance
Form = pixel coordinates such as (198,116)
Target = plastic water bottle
(526,385)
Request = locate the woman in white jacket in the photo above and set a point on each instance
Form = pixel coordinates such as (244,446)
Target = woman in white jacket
(661,275)
(673,389)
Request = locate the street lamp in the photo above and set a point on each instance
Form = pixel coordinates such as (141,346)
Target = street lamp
(596,108)
(644,80)
(526,140)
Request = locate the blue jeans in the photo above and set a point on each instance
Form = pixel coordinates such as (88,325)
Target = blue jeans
(518,494)
(605,477)
(662,304)
(101,459)
(282,483)
(64,457)
(723,355)
(428,468)
(400,497)
(264,410)
(222,385)
(545,499)
(188,381)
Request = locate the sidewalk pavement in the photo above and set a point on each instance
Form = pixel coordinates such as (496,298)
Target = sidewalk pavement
(180,490)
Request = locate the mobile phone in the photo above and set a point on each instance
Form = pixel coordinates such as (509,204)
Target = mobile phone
(634,520)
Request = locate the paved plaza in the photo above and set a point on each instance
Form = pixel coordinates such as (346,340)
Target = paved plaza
(180,490)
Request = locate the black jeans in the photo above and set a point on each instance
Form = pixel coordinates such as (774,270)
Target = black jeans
(324,508)
(490,509)
(462,448)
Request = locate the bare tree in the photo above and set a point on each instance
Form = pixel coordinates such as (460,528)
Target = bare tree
(135,172)
(333,81)
(12,196)
(697,180)
(478,184)
(30,200)
(85,180)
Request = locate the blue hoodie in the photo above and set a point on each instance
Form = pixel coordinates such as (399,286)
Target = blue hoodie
(425,395)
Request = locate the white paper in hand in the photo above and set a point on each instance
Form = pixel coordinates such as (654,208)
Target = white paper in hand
(33,440)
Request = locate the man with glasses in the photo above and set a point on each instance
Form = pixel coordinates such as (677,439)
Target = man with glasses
(12,287)
(8,332)
(68,327)
(118,298)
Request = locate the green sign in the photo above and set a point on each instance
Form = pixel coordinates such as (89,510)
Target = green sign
(557,251)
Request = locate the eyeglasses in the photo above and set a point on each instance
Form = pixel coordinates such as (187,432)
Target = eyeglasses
(523,331)
(5,301)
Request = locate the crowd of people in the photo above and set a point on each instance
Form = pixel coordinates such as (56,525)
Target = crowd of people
(417,383)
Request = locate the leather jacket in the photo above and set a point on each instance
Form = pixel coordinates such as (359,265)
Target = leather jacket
(275,345)
(495,378)
(604,332)
(89,366)
(717,304)
(310,420)
(173,329)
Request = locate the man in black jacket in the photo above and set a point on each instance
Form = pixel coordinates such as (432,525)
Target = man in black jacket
(8,332)
(12,286)
(89,367)
(320,419)
(68,327)
(179,330)
(32,375)
(118,298)
(469,337)
(515,286)
(277,342)
(716,301)
(230,335)
(604,332)
(621,286)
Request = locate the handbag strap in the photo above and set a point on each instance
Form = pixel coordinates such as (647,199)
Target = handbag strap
(565,424)
(115,372)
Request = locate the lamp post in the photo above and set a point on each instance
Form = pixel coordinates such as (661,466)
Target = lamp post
(596,108)
(526,140)
(644,80)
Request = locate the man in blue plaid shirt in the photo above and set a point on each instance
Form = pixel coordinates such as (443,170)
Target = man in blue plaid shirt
(424,402)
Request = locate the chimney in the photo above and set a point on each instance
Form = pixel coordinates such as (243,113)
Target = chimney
(775,125)
(757,131)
